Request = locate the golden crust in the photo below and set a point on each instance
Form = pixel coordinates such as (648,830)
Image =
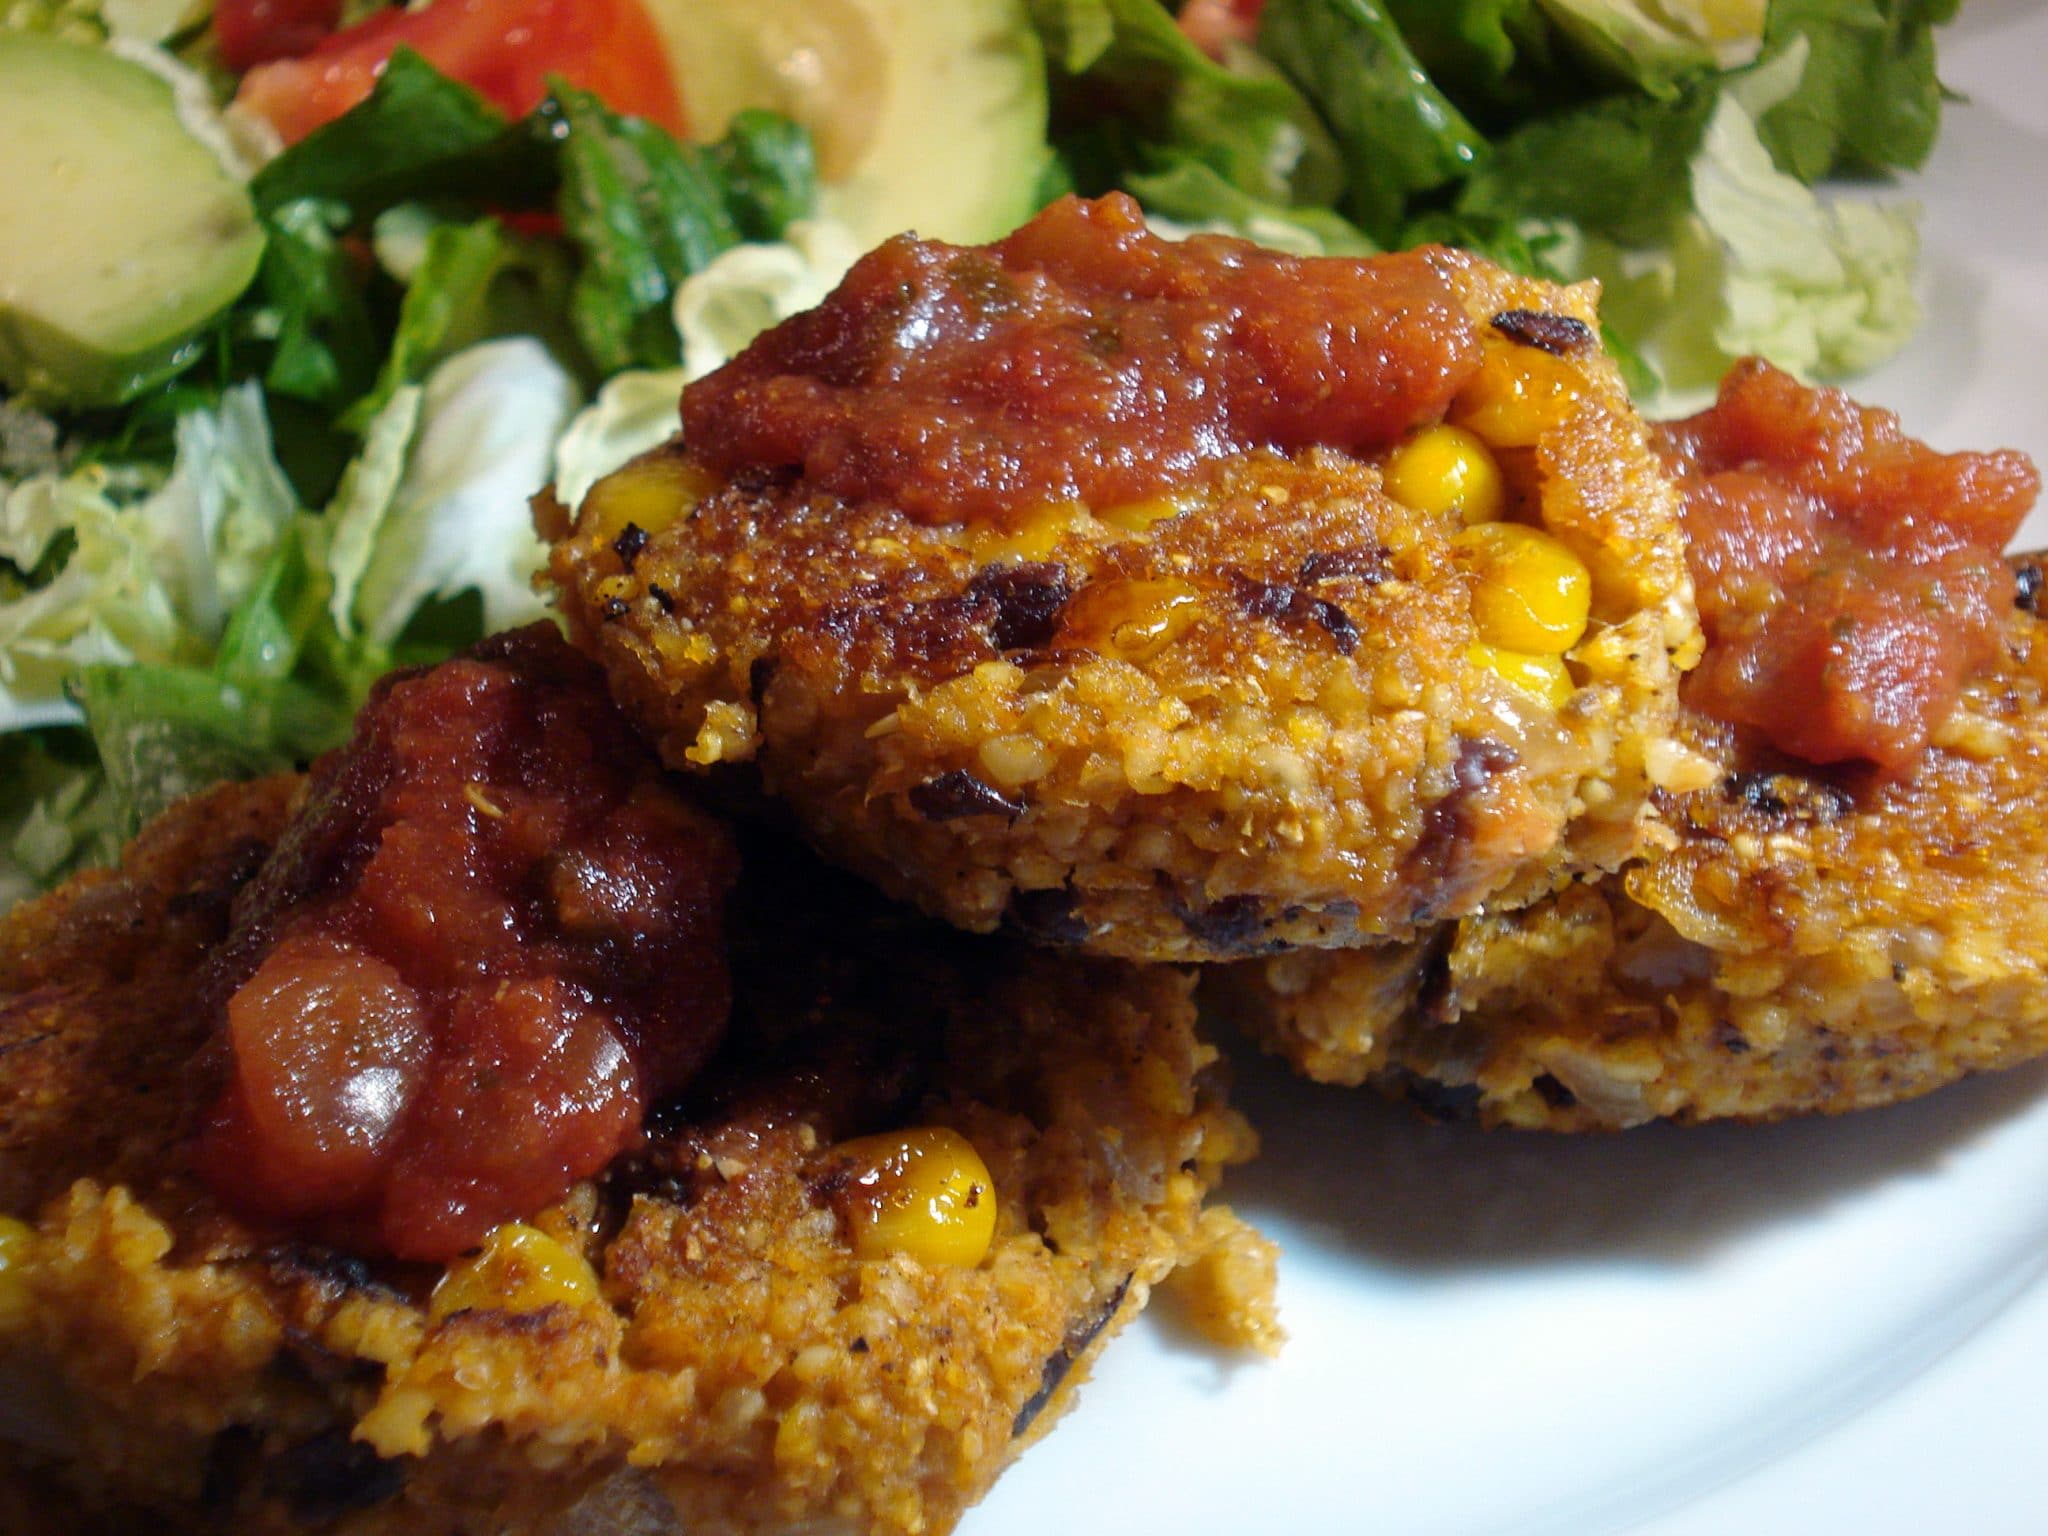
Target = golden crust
(1804,945)
(1297,750)
(741,1369)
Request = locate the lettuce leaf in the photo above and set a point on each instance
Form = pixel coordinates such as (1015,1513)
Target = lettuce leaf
(1130,92)
(1762,265)
(647,212)
(419,136)
(1399,134)
(1869,99)
(458,519)
(1192,198)
(1616,167)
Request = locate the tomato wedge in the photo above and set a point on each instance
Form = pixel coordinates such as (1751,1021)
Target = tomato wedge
(503,49)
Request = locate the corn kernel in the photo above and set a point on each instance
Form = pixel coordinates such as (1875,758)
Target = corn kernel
(1030,538)
(1542,678)
(1135,620)
(650,493)
(923,1192)
(1447,469)
(521,1269)
(16,1239)
(1139,516)
(1518,394)
(1529,593)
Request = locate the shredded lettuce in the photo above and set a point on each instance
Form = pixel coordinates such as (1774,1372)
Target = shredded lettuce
(458,518)
(1761,265)
(58,816)
(632,413)
(147,573)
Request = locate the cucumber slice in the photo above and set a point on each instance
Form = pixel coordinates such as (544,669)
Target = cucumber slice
(123,234)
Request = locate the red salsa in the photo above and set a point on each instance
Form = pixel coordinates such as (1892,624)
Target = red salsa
(491,938)
(1083,358)
(1849,577)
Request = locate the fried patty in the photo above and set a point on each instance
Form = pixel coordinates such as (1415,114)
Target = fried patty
(735,1364)
(1807,942)
(1243,717)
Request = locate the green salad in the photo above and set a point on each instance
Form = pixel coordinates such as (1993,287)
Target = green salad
(302,300)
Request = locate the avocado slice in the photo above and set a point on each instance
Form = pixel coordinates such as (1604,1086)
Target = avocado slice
(123,234)
(927,116)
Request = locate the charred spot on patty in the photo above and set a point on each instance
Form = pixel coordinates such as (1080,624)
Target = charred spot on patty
(1779,795)
(1559,335)
(627,546)
(1290,605)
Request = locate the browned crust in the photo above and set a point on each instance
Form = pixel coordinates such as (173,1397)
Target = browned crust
(1291,769)
(742,1369)
(1808,943)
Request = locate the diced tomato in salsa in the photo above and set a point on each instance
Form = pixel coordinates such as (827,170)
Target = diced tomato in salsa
(1849,576)
(492,939)
(1083,358)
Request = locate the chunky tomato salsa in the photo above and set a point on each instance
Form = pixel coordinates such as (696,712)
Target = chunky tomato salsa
(492,937)
(1084,359)
(1849,576)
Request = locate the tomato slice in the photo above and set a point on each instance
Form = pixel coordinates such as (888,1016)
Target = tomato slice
(503,49)
(252,32)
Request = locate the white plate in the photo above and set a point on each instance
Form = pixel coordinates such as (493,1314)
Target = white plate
(1822,1326)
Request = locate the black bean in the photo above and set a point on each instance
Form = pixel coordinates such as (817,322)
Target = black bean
(329,1476)
(1062,1362)
(2027,594)
(959,793)
(1447,822)
(1290,605)
(1231,926)
(1047,916)
(1026,598)
(627,546)
(1367,565)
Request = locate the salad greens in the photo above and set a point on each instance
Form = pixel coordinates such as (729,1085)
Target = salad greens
(454,308)
(1673,143)
(205,582)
